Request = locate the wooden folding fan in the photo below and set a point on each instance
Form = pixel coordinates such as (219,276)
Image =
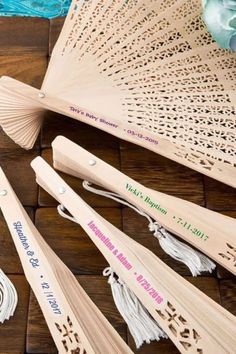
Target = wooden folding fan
(210,232)
(145,71)
(194,322)
(76,324)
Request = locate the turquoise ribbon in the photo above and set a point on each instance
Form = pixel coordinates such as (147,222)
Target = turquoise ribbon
(219,15)
(35,8)
(220,18)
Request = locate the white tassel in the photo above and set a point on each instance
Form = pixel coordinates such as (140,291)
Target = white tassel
(8,298)
(196,261)
(141,325)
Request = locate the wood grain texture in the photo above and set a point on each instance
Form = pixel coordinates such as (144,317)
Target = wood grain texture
(112,157)
(28,68)
(98,290)
(54,31)
(219,196)
(24,56)
(24,35)
(16,164)
(162,174)
(228,294)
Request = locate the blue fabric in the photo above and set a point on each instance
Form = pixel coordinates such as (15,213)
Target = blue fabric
(34,8)
(220,18)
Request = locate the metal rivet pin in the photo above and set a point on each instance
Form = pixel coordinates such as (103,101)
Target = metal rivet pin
(3,193)
(92,162)
(41,95)
(62,190)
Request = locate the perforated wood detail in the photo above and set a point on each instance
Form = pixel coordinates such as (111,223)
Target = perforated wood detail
(159,68)
(188,337)
(229,254)
(70,338)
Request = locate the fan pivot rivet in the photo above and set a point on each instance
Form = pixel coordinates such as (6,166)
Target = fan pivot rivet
(92,162)
(62,190)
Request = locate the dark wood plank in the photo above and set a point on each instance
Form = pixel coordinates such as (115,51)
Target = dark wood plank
(81,133)
(13,332)
(38,337)
(228,295)
(164,346)
(16,165)
(219,196)
(29,69)
(55,29)
(23,35)
(164,175)
(71,243)
(110,155)
(208,286)
(9,259)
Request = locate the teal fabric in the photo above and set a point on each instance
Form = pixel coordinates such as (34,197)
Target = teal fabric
(34,8)
(220,18)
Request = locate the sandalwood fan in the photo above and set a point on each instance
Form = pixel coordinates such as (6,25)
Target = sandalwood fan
(210,232)
(170,299)
(146,71)
(76,324)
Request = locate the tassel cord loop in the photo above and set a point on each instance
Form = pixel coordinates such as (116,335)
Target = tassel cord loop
(196,261)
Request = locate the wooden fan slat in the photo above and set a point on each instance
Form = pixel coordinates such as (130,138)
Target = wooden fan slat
(142,261)
(74,321)
(176,215)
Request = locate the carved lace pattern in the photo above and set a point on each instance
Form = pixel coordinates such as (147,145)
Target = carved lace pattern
(229,254)
(172,78)
(188,337)
(70,338)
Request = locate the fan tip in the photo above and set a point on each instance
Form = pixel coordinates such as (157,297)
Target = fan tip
(4,77)
(59,139)
(25,145)
(1,172)
(36,162)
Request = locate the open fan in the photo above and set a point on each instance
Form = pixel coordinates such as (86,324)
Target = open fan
(146,71)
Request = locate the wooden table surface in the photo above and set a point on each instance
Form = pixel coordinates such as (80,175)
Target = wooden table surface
(25,48)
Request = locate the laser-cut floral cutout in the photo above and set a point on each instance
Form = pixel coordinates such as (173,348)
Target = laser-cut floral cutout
(188,336)
(70,338)
(229,254)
